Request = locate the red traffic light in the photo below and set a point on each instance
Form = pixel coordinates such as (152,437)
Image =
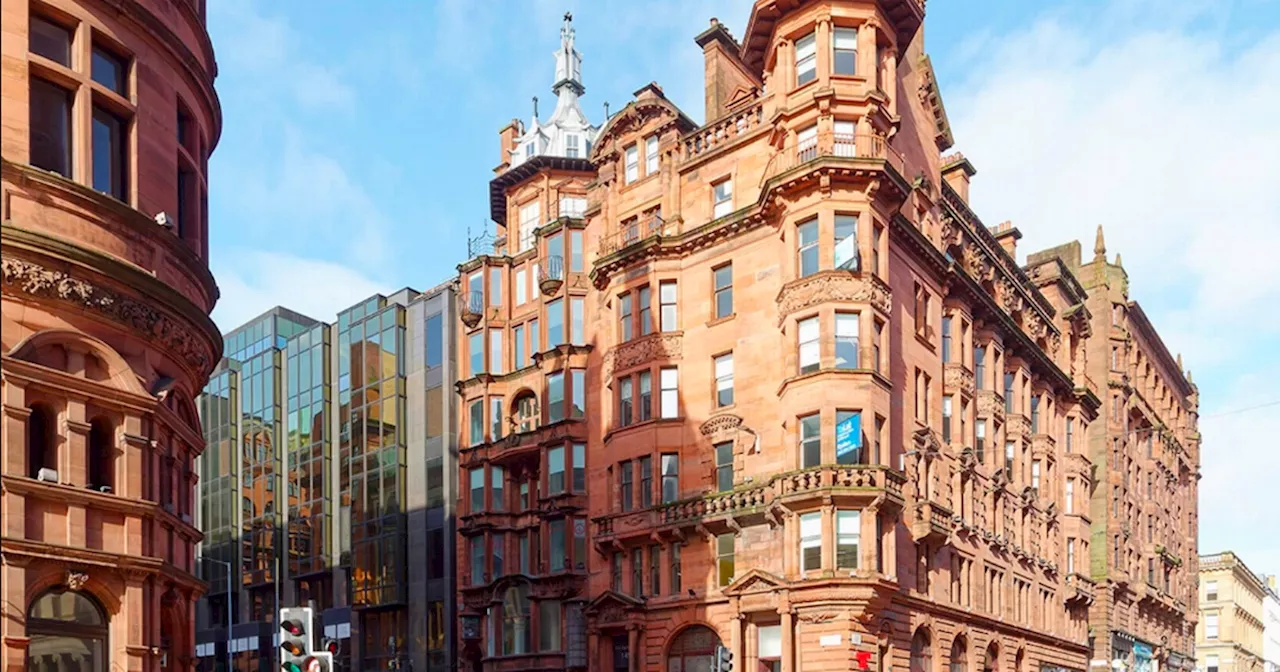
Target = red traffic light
(331,646)
(292,627)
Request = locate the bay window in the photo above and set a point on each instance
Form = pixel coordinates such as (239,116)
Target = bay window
(806,59)
(845,51)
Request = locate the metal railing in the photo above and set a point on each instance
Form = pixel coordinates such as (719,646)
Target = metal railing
(637,229)
(852,146)
(551,268)
(722,131)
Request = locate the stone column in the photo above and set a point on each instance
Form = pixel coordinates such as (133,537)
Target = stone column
(736,644)
(866,59)
(633,648)
(788,640)
(867,551)
(823,42)
(889,81)
(127,626)
(14,606)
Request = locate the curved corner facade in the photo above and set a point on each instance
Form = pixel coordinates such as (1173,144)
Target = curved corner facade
(109,115)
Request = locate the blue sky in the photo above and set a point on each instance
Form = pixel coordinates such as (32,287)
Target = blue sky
(359,139)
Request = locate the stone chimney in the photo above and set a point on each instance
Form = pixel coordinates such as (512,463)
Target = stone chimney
(1006,234)
(508,135)
(957,170)
(726,77)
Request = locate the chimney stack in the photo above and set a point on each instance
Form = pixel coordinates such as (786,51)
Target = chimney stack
(1007,235)
(508,136)
(957,170)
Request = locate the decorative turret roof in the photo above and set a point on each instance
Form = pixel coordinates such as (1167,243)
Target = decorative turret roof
(567,133)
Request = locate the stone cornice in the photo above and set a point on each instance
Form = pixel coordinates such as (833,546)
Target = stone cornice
(28,374)
(124,563)
(46,268)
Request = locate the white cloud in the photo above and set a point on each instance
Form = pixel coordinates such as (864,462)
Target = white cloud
(253,282)
(1164,137)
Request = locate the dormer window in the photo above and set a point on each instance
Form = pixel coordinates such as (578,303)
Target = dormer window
(528,150)
(571,146)
(806,59)
(845,51)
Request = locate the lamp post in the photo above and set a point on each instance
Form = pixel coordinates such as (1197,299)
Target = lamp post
(226,564)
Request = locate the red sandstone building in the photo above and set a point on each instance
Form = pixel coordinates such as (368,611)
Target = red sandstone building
(775,387)
(109,115)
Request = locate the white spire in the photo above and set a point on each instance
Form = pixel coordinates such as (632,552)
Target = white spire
(567,133)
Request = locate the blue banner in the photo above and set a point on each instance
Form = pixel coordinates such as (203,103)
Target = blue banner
(1141,650)
(849,435)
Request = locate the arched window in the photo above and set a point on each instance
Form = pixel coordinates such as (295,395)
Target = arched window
(991,660)
(42,440)
(921,652)
(1017,661)
(68,632)
(526,416)
(101,455)
(694,649)
(959,655)
(515,620)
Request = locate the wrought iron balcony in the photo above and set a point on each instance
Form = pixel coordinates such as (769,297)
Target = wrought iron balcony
(551,274)
(636,230)
(471,307)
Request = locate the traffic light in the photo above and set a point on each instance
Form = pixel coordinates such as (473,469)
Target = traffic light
(724,659)
(297,643)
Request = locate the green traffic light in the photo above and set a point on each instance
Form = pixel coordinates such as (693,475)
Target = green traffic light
(291,667)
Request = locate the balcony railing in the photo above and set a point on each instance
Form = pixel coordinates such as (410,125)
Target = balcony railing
(551,274)
(722,131)
(471,307)
(635,230)
(852,146)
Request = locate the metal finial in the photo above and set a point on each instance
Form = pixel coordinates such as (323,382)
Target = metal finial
(568,16)
(606,110)
(535,107)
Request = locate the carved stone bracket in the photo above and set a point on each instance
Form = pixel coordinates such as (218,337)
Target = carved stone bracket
(26,277)
(76,580)
(959,378)
(832,286)
(667,345)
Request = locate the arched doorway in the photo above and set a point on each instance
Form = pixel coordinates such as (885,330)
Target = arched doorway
(694,650)
(68,632)
(921,652)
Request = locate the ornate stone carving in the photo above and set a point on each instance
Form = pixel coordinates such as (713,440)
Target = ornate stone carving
(957,377)
(649,348)
(1018,425)
(76,580)
(990,405)
(721,423)
(26,277)
(819,617)
(832,286)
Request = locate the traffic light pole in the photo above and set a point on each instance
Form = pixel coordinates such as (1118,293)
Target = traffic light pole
(228,566)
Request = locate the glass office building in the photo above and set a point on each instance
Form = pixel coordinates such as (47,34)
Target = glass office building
(352,420)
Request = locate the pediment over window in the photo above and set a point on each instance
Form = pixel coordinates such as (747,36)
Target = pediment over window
(612,607)
(756,581)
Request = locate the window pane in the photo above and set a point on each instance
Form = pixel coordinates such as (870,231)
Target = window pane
(109,70)
(555,397)
(555,470)
(51,41)
(475,352)
(724,379)
(50,127)
(495,351)
(576,310)
(807,238)
(110,154)
(575,241)
(578,382)
(670,401)
(846,340)
(555,322)
(846,242)
(846,51)
(806,59)
(811,440)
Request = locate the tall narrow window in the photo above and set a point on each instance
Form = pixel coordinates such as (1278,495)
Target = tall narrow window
(478,576)
(577,330)
(980,367)
(475,352)
(549,617)
(723,278)
(625,485)
(806,59)
(724,466)
(946,418)
(476,415)
(518,338)
(1211,664)
(579,467)
(811,542)
(651,155)
(807,247)
(495,417)
(625,414)
(670,477)
(575,238)
(101,455)
(1035,476)
(637,572)
(722,194)
(1070,434)
(495,352)
(846,242)
(646,481)
(946,339)
(724,558)
(877,232)
(848,537)
(808,334)
(555,397)
(558,547)
(633,163)
(617,571)
(1211,626)
(110,154)
(846,51)
(844,141)
(186,187)
(1035,414)
(1008,392)
(1071,555)
(655,569)
(811,440)
(555,322)
(875,347)
(495,286)
(578,383)
(667,300)
(848,437)
(645,298)
(555,470)
(669,403)
(50,119)
(1008,459)
(477,490)
(846,340)
(807,143)
(497,492)
(624,317)
(528,223)
(922,313)
(724,379)
(1070,503)
(646,396)
(674,579)
(980,443)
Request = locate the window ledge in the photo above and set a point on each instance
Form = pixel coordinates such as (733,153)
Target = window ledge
(652,423)
(875,376)
(722,320)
